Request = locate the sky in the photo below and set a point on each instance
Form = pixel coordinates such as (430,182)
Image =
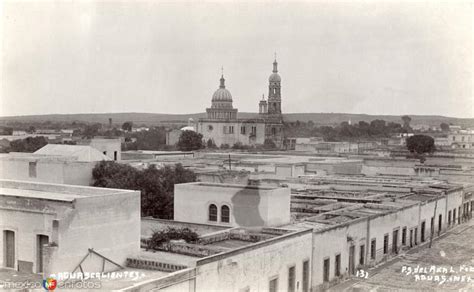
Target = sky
(384,57)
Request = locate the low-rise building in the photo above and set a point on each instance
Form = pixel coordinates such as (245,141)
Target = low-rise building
(462,140)
(46,168)
(110,147)
(79,152)
(371,222)
(317,146)
(232,205)
(52,228)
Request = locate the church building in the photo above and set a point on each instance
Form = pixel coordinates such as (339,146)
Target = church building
(223,126)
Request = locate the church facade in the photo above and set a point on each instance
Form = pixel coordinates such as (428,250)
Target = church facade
(223,126)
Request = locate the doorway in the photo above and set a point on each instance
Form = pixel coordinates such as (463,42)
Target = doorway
(351,260)
(41,240)
(395,242)
(9,248)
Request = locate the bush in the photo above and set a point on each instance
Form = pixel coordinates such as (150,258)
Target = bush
(211,144)
(164,236)
(238,145)
(225,146)
(269,144)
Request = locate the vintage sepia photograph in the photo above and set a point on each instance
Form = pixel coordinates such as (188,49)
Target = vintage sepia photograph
(236,146)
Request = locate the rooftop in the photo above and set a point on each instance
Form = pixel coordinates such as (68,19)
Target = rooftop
(81,152)
(35,157)
(54,192)
(223,185)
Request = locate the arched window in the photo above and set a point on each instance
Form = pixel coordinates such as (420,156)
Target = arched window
(212,212)
(225,214)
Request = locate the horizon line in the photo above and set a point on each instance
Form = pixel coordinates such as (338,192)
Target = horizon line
(198,113)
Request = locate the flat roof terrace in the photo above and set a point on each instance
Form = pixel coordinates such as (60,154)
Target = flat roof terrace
(57,192)
(340,196)
(33,194)
(185,254)
(21,156)
(229,186)
(301,208)
(380,179)
(349,213)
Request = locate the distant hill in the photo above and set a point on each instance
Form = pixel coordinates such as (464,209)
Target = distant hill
(337,118)
(151,119)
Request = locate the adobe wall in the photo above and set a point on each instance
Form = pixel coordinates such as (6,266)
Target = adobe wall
(46,171)
(108,224)
(28,218)
(249,206)
(329,243)
(256,265)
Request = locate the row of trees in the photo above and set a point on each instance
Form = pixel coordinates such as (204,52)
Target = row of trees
(153,139)
(345,131)
(29,144)
(156,185)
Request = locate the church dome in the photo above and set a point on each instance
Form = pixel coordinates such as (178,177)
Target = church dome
(222,94)
(274,78)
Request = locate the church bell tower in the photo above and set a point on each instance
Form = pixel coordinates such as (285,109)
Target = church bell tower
(274,91)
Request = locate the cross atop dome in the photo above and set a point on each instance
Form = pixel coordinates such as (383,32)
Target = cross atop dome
(222,85)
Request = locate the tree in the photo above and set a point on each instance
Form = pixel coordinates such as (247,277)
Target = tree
(156,185)
(420,144)
(114,132)
(31,130)
(153,139)
(189,141)
(6,131)
(30,144)
(76,132)
(91,131)
(363,124)
(127,126)
(444,127)
(380,124)
(406,121)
